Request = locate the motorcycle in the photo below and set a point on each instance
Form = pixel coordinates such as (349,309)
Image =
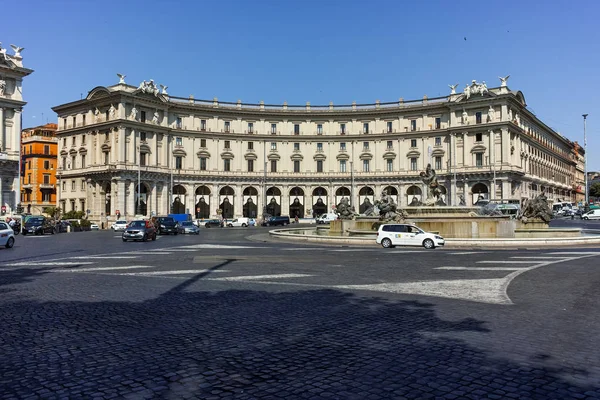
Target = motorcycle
(16,228)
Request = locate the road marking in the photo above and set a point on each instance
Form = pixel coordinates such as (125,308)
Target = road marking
(576,253)
(41,263)
(37,236)
(179,272)
(539,257)
(102,257)
(259,277)
(466,252)
(479,268)
(511,262)
(103,268)
(219,246)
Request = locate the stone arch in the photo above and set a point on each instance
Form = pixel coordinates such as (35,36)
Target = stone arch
(480,191)
(226,195)
(342,192)
(393,193)
(178,199)
(296,202)
(141,199)
(319,201)
(202,202)
(366,198)
(273,206)
(414,196)
(250,201)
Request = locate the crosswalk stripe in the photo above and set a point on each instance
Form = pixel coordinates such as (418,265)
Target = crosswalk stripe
(506,262)
(103,268)
(102,257)
(538,258)
(42,263)
(179,272)
(259,277)
(479,268)
(465,253)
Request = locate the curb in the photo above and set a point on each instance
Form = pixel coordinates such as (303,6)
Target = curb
(505,242)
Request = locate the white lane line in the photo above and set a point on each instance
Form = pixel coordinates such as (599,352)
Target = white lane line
(512,262)
(219,246)
(102,257)
(479,268)
(259,277)
(103,268)
(466,252)
(36,236)
(305,248)
(42,263)
(179,272)
(148,252)
(575,253)
(539,258)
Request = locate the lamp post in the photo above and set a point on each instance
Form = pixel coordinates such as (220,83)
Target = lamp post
(587,202)
(265,178)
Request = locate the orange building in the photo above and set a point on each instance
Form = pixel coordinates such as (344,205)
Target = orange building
(39,152)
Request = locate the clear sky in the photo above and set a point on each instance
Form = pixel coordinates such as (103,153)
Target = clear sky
(317,51)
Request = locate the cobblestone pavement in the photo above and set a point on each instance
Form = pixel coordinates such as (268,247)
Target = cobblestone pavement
(217,316)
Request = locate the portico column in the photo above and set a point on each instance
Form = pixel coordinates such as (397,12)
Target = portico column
(121,196)
(130,200)
(285,200)
(239,201)
(122,145)
(214,200)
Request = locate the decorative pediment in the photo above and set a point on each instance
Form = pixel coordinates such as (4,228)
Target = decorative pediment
(297,157)
(342,156)
(98,92)
(413,153)
(83,150)
(250,156)
(478,148)
(179,152)
(319,157)
(64,152)
(273,156)
(72,151)
(105,147)
(149,88)
(389,155)
(366,156)
(144,148)
(227,155)
(203,153)
(438,153)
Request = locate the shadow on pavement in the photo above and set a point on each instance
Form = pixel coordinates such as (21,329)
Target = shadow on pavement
(254,345)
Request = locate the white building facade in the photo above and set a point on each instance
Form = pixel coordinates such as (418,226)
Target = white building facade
(135,150)
(12,73)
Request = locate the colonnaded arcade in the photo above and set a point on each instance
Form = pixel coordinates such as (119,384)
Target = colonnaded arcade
(136,150)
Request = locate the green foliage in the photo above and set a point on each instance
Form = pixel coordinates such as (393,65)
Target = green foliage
(75,224)
(53,212)
(85,223)
(595,189)
(73,215)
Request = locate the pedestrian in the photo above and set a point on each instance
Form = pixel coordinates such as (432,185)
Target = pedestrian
(11,223)
(296,218)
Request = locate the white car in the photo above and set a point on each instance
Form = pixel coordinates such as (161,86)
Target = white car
(592,214)
(391,235)
(94,227)
(119,225)
(242,222)
(326,218)
(7,235)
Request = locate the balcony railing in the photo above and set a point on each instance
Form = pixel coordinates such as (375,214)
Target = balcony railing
(47,186)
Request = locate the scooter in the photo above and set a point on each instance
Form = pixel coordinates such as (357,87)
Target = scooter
(16,228)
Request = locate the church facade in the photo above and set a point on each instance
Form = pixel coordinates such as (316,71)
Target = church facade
(12,73)
(137,151)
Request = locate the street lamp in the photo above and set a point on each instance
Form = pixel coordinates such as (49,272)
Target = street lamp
(585,161)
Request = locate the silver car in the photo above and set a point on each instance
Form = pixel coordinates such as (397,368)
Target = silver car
(188,227)
(139,230)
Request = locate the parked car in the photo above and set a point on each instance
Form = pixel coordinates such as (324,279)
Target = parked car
(274,221)
(243,222)
(61,226)
(167,225)
(38,225)
(119,225)
(7,235)
(94,227)
(212,223)
(592,214)
(139,230)
(188,227)
(326,218)
(391,235)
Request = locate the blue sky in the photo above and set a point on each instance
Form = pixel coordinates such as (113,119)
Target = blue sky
(317,51)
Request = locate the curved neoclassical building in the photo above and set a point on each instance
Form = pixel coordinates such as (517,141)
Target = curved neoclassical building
(135,150)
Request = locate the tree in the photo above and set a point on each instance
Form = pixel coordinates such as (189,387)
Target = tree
(53,212)
(595,189)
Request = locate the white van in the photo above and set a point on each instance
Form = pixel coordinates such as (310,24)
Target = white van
(326,218)
(243,222)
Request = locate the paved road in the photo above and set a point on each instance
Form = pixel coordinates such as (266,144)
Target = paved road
(231,314)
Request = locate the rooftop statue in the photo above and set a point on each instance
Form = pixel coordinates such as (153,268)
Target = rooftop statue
(453,88)
(121,79)
(503,80)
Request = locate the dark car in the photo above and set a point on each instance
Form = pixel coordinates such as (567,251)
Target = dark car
(167,225)
(212,223)
(274,221)
(38,226)
(139,230)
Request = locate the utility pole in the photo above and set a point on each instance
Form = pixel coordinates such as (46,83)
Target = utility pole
(587,199)
(139,186)
(265,176)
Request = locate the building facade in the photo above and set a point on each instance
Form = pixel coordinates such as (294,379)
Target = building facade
(39,150)
(135,150)
(12,73)
(579,178)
